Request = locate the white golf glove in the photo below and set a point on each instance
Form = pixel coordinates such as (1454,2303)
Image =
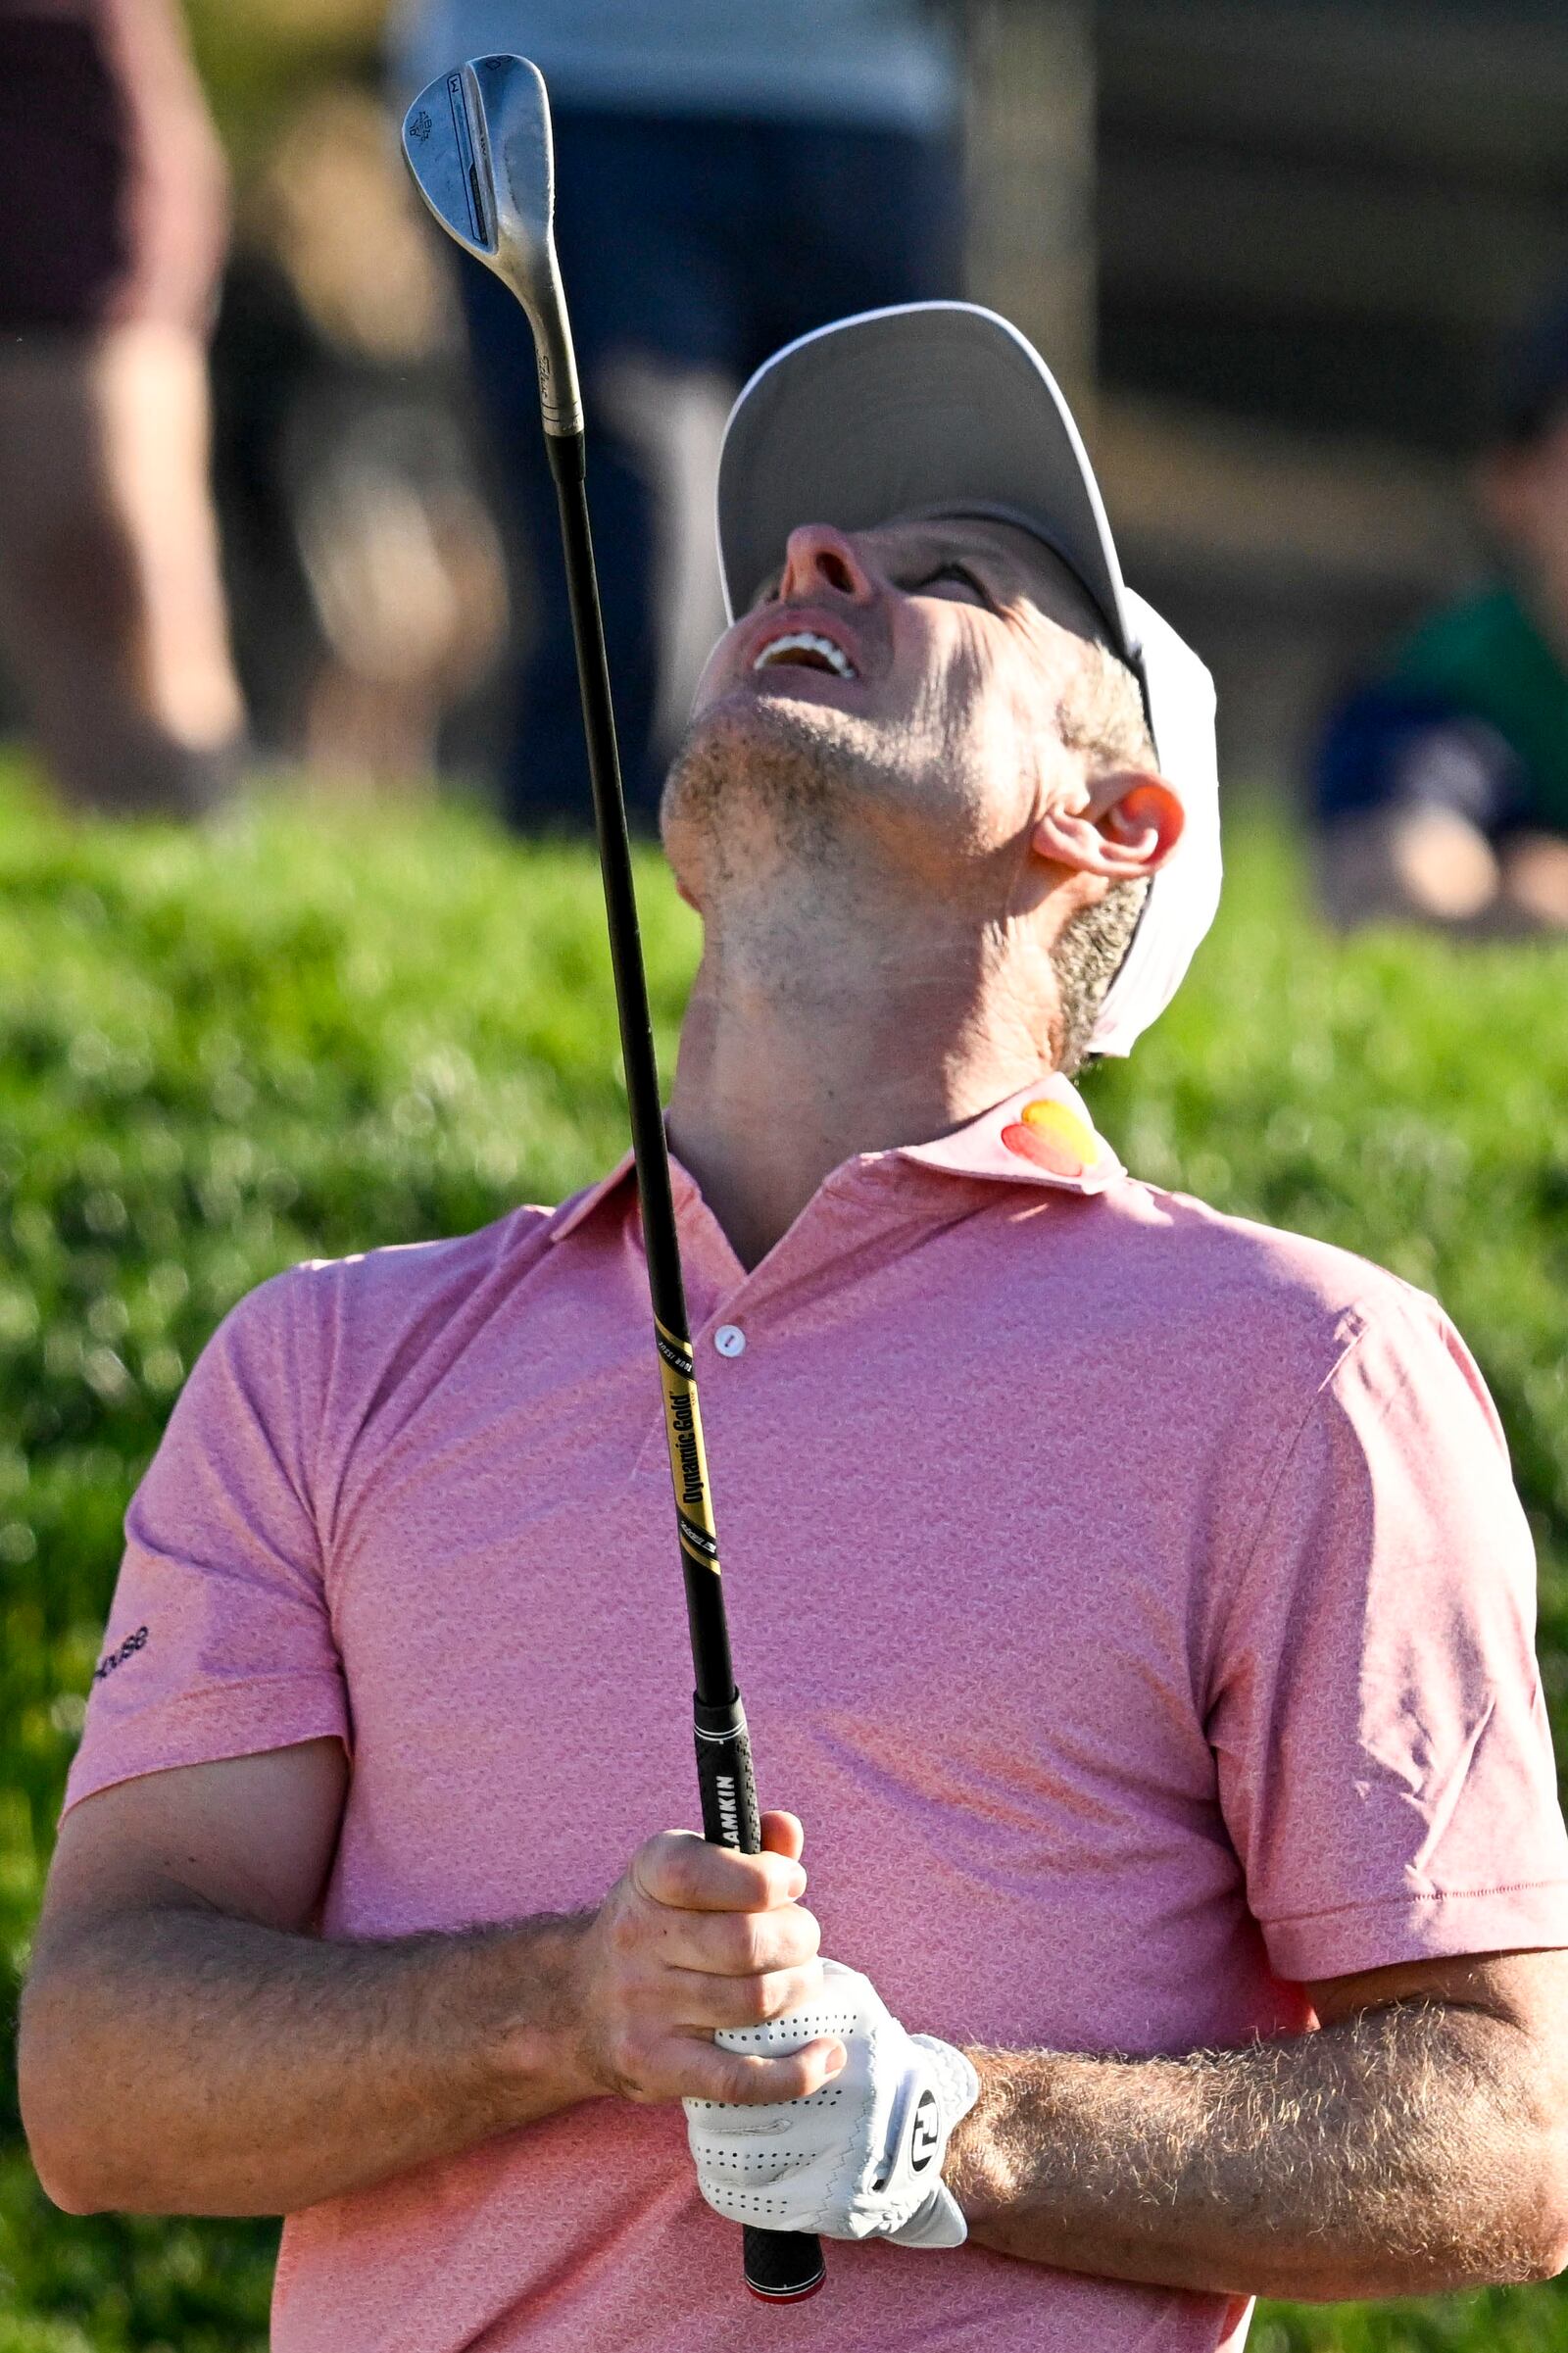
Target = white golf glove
(863,2157)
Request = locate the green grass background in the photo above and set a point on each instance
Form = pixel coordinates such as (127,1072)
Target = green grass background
(311,1031)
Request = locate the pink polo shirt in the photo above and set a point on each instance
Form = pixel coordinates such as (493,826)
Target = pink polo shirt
(1133,1603)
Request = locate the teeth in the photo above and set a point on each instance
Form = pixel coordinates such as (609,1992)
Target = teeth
(806,641)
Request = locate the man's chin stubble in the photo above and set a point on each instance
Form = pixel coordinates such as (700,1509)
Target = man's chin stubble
(777,775)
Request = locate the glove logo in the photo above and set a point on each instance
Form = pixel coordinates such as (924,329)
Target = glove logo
(924,2137)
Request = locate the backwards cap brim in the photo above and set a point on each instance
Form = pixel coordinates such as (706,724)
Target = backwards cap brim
(930,405)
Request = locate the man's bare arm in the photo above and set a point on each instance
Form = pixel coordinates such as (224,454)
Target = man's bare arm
(190,2047)
(1416,2143)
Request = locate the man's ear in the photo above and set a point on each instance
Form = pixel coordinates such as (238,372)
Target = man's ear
(1133,822)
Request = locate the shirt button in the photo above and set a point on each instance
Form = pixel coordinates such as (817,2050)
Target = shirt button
(730,1339)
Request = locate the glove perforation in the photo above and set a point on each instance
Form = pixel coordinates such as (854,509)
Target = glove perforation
(860,2157)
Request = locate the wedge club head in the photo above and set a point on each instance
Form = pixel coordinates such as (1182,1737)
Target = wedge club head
(478,143)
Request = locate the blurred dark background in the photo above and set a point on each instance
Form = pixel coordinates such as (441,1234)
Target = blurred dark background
(1303,227)
(1268,245)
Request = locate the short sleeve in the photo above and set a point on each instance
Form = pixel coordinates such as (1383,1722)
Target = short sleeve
(218,1642)
(1384,1757)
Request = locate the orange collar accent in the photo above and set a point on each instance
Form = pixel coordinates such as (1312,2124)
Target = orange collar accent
(1041,1136)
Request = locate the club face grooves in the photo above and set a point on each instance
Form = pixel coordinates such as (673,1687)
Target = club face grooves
(462,140)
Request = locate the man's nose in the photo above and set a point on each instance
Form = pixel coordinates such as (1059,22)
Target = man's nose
(819,556)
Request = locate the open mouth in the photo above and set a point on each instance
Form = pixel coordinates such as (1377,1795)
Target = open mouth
(806,650)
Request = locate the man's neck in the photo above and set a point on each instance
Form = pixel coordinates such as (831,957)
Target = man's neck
(797,1057)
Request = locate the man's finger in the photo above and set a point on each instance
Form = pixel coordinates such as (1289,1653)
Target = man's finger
(736,2079)
(698,2000)
(739,1945)
(683,1870)
(784,1834)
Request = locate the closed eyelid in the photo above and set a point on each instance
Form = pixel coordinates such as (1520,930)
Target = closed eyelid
(954,568)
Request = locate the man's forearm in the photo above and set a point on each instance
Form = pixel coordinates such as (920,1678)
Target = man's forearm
(256,2071)
(1392,2154)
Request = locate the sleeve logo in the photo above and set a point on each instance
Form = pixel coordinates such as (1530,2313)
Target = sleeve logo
(117,1658)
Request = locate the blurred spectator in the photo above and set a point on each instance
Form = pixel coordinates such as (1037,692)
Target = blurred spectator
(1442,787)
(368,577)
(112,227)
(728,177)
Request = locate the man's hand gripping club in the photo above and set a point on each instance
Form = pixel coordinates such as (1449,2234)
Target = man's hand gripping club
(860,2158)
(809,2107)
(693,1939)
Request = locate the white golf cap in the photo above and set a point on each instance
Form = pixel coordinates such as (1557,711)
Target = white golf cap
(945,405)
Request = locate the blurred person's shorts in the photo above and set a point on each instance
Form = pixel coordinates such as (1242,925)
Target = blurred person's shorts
(113,195)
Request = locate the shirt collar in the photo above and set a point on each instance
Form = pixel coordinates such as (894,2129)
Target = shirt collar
(574,1212)
(1041,1136)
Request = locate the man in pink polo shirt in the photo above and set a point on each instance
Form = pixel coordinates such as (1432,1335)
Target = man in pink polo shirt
(1133,1603)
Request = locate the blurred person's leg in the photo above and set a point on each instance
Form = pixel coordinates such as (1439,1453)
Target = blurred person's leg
(674,414)
(635,198)
(404,573)
(112,203)
(111,610)
(545,779)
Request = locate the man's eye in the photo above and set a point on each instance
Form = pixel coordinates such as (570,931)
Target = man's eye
(963,574)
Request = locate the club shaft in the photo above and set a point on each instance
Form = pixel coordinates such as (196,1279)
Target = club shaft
(704,1594)
(779,2265)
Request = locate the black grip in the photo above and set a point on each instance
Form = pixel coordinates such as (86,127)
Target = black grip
(730,1816)
(781,2266)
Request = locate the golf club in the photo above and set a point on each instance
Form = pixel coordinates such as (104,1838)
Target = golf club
(479,144)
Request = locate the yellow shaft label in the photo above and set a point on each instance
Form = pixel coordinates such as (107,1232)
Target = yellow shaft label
(688,1462)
